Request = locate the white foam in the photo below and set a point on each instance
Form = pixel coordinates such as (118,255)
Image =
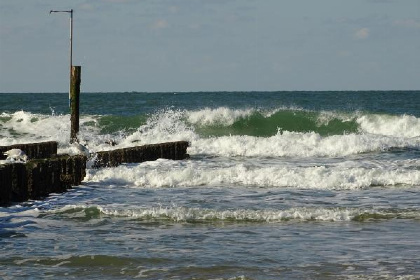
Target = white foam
(325,117)
(187,214)
(194,173)
(219,116)
(179,214)
(295,144)
(399,126)
(161,127)
(30,127)
(25,127)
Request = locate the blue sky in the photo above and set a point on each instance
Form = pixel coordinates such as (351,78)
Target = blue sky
(211,45)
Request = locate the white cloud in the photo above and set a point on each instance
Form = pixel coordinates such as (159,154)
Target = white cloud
(409,23)
(160,24)
(362,33)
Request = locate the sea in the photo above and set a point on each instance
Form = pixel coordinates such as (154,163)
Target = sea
(278,185)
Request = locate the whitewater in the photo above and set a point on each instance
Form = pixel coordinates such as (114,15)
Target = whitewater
(313,185)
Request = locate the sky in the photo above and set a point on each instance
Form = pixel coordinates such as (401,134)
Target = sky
(211,45)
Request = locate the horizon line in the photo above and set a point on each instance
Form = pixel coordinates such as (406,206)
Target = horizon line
(209,91)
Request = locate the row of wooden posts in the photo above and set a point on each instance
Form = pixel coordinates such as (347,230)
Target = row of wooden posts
(46,172)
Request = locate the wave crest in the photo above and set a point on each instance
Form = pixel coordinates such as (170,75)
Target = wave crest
(193,173)
(399,126)
(194,215)
(282,132)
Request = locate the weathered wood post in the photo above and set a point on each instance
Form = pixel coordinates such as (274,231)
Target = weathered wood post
(74,101)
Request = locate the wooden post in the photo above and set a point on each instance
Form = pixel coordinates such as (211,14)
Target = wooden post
(74,102)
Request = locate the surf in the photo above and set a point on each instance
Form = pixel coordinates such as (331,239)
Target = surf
(282,132)
(178,214)
(273,174)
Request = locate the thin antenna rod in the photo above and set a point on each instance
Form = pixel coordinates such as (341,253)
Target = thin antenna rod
(71,40)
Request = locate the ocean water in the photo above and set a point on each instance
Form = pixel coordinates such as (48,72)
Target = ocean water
(279,185)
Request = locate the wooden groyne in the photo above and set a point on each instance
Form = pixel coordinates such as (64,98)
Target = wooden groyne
(170,150)
(33,150)
(46,172)
(39,177)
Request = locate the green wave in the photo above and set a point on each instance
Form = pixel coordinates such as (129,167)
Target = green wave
(387,215)
(111,124)
(257,124)
(78,213)
(107,263)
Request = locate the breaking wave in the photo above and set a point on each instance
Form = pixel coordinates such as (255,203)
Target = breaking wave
(195,173)
(194,215)
(284,132)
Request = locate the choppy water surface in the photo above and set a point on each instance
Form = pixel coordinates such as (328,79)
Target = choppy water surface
(279,185)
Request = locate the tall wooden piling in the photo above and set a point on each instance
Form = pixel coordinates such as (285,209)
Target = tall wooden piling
(74,101)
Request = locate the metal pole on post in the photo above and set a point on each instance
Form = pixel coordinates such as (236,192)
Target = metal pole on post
(74,85)
(71,53)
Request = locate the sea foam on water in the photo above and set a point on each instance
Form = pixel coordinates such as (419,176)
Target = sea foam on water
(399,126)
(187,214)
(199,173)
